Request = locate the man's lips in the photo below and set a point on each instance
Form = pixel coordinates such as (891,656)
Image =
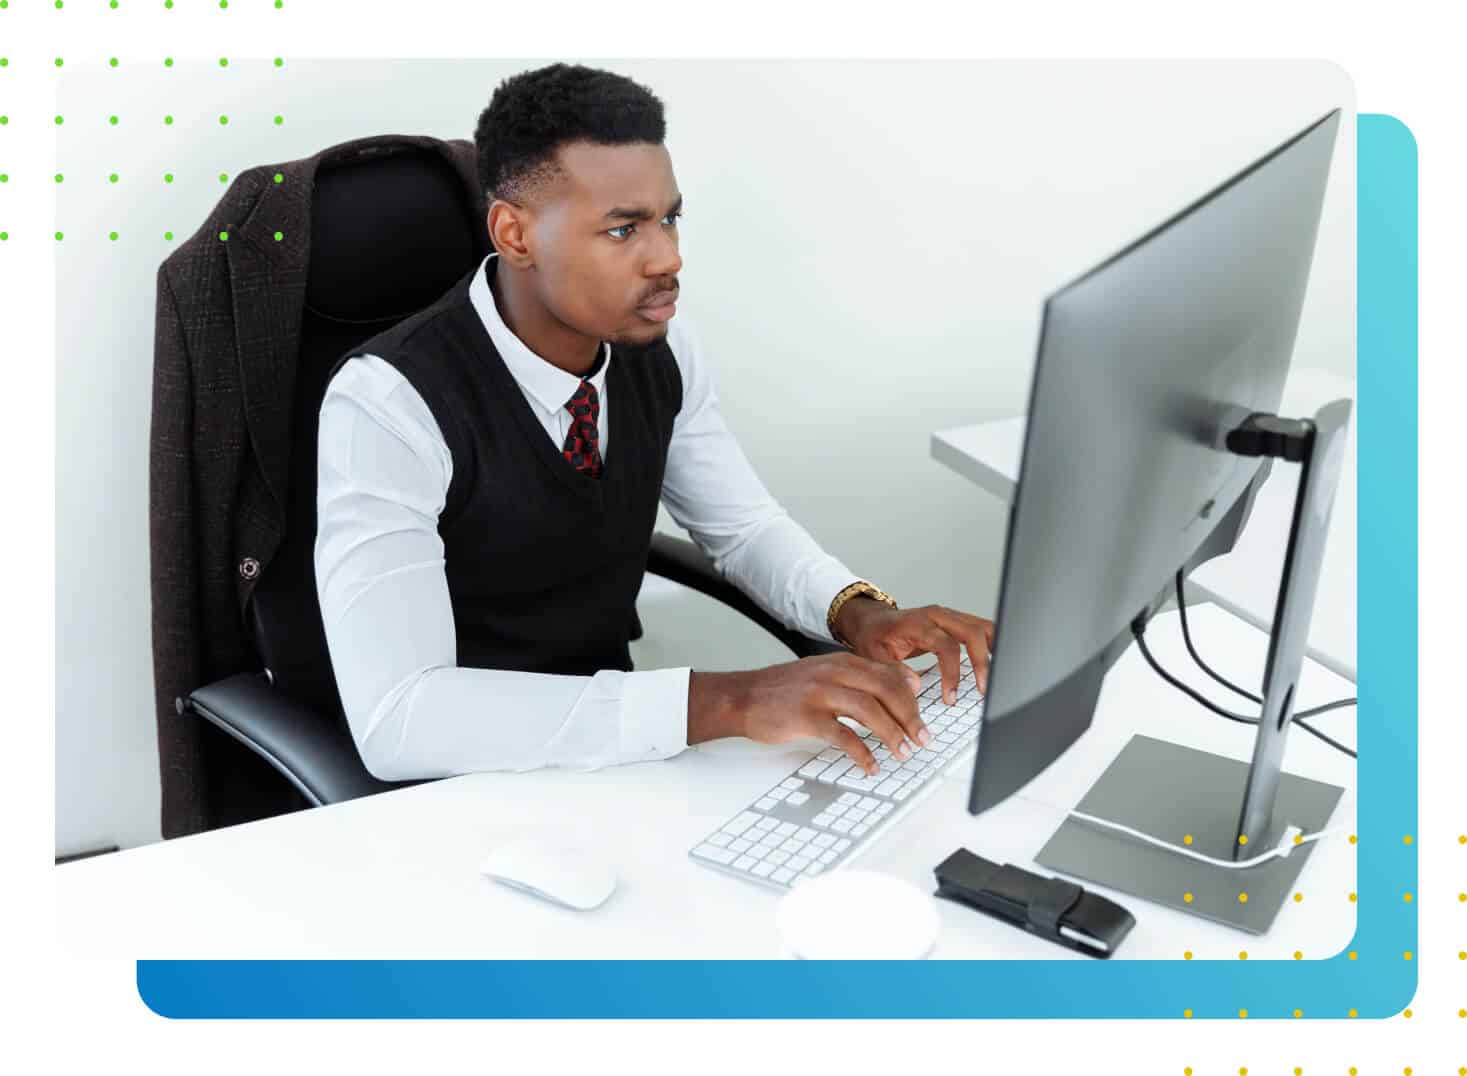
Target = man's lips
(660,307)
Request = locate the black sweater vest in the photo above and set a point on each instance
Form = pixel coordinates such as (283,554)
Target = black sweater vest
(543,562)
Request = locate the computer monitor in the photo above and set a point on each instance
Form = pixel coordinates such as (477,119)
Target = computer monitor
(1145,365)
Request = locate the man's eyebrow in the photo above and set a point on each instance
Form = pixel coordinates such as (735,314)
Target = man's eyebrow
(640,212)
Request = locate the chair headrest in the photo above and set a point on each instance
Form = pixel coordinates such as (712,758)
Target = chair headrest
(388,236)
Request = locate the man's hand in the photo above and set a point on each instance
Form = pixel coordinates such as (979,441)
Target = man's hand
(803,698)
(877,631)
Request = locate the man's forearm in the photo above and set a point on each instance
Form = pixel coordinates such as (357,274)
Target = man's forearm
(715,705)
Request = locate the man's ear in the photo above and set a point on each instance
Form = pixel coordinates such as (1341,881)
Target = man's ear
(507,233)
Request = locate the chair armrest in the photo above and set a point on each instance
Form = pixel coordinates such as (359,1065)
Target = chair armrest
(682,562)
(313,752)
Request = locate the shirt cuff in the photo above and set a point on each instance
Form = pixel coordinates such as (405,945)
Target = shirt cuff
(825,583)
(654,714)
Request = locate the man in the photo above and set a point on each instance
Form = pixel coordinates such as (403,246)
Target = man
(490,471)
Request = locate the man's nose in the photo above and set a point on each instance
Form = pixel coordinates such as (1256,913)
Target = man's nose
(664,260)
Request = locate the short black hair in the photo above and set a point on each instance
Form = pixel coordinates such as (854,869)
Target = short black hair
(535,112)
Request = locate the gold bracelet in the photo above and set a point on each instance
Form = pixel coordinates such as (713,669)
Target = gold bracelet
(860,586)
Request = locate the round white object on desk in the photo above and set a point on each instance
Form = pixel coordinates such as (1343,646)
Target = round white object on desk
(829,917)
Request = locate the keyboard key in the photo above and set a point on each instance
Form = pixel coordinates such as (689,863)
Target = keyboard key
(868,803)
(783,875)
(741,845)
(766,823)
(718,855)
(777,858)
(766,804)
(903,793)
(722,840)
(814,869)
(741,823)
(854,816)
(837,810)
(823,840)
(842,844)
(848,798)
(830,754)
(758,851)
(798,799)
(860,784)
(805,833)
(771,840)
(784,829)
(860,831)
(763,870)
(793,845)
(813,768)
(829,856)
(885,809)
(798,863)
(842,825)
(794,784)
(824,819)
(778,793)
(887,787)
(743,863)
(834,771)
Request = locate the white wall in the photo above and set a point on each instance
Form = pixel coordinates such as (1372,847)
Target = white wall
(867,246)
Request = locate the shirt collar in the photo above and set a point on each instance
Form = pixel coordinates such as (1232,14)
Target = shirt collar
(547,384)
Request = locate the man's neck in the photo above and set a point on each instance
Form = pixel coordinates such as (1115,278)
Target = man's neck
(548,339)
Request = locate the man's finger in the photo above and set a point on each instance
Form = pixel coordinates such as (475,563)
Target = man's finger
(949,659)
(892,686)
(976,634)
(872,714)
(838,734)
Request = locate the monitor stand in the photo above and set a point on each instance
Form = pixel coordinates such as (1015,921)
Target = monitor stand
(1168,792)
(1172,792)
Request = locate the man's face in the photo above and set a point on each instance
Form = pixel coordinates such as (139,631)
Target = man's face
(604,242)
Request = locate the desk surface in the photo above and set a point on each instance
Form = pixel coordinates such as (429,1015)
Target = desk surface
(1246,581)
(396,875)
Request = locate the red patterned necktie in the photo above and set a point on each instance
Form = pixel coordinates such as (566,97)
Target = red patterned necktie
(580,448)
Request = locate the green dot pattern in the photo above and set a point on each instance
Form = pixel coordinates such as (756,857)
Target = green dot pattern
(167,235)
(279,178)
(112,178)
(224,237)
(58,236)
(168,61)
(223,120)
(4,236)
(112,62)
(112,236)
(167,121)
(59,121)
(223,62)
(279,236)
(167,177)
(279,120)
(112,120)
(279,62)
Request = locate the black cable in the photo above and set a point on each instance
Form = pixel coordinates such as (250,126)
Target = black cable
(1187,638)
(1137,631)
(1225,682)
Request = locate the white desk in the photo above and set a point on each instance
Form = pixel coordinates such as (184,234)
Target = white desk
(396,875)
(1246,581)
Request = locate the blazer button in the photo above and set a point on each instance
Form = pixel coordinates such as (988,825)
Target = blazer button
(249,568)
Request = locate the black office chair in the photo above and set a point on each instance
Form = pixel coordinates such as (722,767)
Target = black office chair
(388,236)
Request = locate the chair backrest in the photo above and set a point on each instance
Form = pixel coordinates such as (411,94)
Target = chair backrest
(389,235)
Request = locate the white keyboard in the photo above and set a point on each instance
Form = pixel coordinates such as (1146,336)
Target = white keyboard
(828,810)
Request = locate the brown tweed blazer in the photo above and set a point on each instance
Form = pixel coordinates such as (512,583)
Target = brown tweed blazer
(225,349)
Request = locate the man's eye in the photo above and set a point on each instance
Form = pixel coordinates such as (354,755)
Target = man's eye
(671,218)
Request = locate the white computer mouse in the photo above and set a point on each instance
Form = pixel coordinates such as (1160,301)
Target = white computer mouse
(552,867)
(830,917)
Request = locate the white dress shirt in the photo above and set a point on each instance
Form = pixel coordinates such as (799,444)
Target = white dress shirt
(384,471)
